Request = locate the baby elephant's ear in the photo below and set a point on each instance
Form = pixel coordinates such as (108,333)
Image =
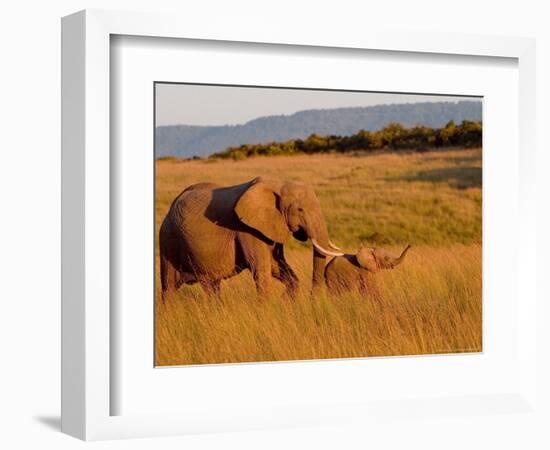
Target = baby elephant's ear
(365,258)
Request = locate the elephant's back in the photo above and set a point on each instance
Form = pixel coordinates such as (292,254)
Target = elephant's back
(205,186)
(192,201)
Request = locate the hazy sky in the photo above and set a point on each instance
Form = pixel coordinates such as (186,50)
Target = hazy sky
(223,105)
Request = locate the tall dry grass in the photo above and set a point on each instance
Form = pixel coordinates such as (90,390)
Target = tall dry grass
(430,304)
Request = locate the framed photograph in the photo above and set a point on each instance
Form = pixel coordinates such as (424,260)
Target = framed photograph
(247,246)
(247,209)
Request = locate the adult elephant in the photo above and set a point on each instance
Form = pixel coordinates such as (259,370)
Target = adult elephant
(212,233)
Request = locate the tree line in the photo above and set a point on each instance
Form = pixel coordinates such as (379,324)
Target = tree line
(184,141)
(394,136)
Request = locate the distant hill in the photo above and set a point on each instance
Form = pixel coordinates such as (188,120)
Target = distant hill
(189,140)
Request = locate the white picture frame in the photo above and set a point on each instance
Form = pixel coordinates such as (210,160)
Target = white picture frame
(86,220)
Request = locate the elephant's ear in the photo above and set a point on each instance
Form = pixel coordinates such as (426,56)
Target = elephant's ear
(257,208)
(365,258)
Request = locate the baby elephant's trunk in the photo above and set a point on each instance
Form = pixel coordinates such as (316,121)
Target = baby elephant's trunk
(402,256)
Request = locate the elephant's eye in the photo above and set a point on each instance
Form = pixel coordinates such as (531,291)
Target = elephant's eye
(300,209)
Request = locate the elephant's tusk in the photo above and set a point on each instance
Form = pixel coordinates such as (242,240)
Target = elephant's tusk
(324,251)
(331,245)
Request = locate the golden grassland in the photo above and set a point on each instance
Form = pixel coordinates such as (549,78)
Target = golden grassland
(430,304)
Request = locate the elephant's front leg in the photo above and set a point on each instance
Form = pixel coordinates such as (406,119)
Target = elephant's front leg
(258,257)
(283,272)
(261,271)
(212,288)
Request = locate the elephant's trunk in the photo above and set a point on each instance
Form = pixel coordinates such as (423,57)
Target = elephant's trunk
(321,245)
(399,260)
(318,274)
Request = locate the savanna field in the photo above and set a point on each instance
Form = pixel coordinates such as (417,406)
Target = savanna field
(429,304)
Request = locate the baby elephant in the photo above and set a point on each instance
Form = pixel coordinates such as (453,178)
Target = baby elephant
(356,272)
